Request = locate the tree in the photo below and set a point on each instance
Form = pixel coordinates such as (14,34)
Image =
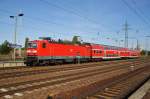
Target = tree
(4,48)
(143,52)
(26,42)
(60,41)
(75,40)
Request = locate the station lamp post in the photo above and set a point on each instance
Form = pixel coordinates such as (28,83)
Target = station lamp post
(15,31)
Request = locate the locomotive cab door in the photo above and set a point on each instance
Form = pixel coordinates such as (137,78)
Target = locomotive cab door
(44,52)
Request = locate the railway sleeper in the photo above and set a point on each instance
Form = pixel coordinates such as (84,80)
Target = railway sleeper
(101,97)
(121,89)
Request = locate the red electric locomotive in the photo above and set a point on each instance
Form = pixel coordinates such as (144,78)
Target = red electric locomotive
(47,51)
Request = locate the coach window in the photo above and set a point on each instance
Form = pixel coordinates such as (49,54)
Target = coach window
(96,52)
(44,45)
(100,51)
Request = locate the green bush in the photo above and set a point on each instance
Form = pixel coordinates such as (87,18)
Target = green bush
(4,48)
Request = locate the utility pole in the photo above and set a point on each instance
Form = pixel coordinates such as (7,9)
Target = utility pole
(120,42)
(137,41)
(146,45)
(126,28)
(138,46)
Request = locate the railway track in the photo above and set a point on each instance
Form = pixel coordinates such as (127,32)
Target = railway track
(80,88)
(57,80)
(16,89)
(67,73)
(29,76)
(122,87)
(33,71)
(47,70)
(25,68)
(125,86)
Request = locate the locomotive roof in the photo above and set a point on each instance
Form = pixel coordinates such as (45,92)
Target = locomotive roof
(53,41)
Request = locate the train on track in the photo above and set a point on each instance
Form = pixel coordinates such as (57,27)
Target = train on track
(46,51)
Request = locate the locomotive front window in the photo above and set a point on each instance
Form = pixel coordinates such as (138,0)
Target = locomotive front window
(32,45)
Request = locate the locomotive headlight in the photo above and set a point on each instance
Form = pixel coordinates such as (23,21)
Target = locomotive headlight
(28,51)
(34,51)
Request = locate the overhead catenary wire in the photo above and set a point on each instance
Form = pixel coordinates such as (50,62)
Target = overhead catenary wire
(139,10)
(36,29)
(33,18)
(31,27)
(38,19)
(136,12)
(72,11)
(10,12)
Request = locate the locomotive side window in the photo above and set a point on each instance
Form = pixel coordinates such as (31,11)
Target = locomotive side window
(44,45)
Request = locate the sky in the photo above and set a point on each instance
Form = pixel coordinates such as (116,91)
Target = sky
(94,20)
